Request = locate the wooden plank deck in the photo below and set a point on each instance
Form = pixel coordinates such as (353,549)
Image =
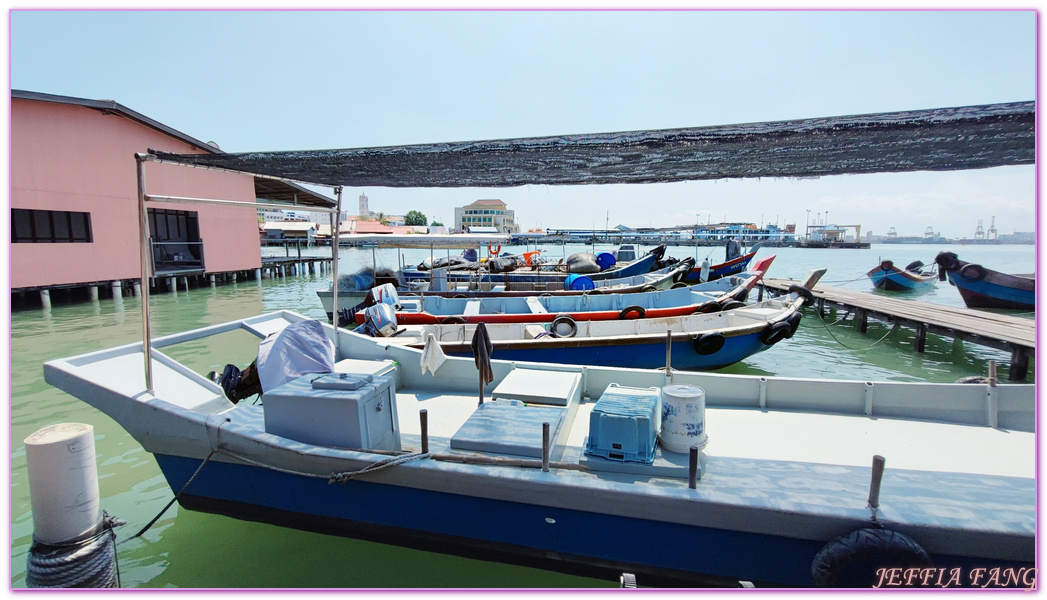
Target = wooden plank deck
(1005,332)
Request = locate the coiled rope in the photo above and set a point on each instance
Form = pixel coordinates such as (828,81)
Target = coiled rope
(84,563)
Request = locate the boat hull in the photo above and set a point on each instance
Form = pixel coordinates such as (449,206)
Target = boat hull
(731,267)
(896,280)
(638,352)
(984,288)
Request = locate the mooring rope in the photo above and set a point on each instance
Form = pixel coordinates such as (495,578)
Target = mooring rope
(87,562)
(829,331)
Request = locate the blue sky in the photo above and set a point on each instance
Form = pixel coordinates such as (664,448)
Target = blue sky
(284,80)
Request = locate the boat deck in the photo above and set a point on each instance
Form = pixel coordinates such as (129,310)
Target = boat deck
(996,330)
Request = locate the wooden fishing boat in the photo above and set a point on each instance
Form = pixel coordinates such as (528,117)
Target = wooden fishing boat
(731,266)
(579,469)
(984,288)
(662,279)
(700,341)
(910,279)
(704,297)
(545,274)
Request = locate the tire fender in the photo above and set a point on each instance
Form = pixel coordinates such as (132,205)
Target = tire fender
(808,297)
(775,333)
(558,324)
(708,343)
(973,272)
(851,561)
(628,310)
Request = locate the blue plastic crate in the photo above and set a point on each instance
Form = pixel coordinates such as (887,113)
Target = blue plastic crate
(624,424)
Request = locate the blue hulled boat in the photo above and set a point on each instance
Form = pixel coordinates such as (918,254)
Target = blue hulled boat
(736,263)
(910,279)
(984,288)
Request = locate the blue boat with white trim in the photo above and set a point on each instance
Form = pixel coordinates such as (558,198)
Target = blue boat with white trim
(984,288)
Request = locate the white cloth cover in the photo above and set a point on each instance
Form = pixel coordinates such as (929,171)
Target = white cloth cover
(432,355)
(299,349)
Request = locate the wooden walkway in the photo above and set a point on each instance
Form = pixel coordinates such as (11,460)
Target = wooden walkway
(1005,332)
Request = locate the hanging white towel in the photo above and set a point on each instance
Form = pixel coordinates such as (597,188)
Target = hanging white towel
(432,355)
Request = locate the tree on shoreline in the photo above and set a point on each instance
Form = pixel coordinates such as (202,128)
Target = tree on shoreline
(415,218)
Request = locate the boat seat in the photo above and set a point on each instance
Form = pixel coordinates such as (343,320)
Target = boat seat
(503,428)
(472,308)
(535,306)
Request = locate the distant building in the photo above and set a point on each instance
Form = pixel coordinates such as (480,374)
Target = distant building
(486,213)
(364,210)
(283,231)
(74,198)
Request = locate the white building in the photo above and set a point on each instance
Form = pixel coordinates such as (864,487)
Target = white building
(486,213)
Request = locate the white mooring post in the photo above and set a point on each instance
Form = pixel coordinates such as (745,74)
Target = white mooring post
(73,546)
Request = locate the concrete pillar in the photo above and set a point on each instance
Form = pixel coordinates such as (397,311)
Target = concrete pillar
(45,298)
(172,285)
(210,279)
(185,282)
(93,291)
(234,277)
(118,289)
(258,274)
(138,288)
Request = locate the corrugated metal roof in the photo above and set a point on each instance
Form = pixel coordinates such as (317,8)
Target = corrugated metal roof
(923,140)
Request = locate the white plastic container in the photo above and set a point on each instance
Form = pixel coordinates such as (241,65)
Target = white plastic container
(63,482)
(683,418)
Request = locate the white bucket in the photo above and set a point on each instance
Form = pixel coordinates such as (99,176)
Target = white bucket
(683,418)
(63,482)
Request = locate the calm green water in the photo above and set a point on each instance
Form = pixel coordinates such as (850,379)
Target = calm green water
(186,549)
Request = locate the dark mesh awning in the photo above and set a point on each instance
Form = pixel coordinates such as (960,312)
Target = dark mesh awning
(972,137)
(290,193)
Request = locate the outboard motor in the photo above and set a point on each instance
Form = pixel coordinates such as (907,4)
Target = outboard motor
(379,321)
(734,249)
(385,294)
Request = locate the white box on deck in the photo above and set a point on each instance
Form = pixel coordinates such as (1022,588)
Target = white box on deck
(535,386)
(342,410)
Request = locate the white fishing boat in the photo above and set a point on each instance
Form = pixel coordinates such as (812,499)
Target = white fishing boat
(591,469)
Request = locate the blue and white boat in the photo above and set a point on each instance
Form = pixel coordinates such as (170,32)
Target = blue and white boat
(912,278)
(985,288)
(736,262)
(778,483)
(704,297)
(699,341)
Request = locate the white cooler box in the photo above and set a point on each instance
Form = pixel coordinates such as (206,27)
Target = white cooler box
(344,410)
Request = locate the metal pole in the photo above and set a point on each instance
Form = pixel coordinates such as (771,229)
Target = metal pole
(144,256)
(334,266)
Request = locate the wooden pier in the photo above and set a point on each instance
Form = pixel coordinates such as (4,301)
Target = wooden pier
(995,330)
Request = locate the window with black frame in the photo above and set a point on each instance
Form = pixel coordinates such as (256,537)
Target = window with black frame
(176,239)
(50,227)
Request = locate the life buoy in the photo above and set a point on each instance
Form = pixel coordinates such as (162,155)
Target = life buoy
(973,272)
(775,333)
(808,297)
(556,327)
(453,320)
(708,343)
(709,307)
(794,322)
(852,561)
(887,265)
(495,251)
(628,310)
(732,304)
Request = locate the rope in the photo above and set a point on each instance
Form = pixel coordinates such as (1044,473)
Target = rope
(86,563)
(826,325)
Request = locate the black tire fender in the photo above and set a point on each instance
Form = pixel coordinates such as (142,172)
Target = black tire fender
(887,265)
(711,306)
(731,304)
(851,561)
(775,333)
(648,288)
(560,320)
(794,323)
(973,272)
(708,343)
(453,320)
(806,294)
(628,310)
(947,261)
(679,284)
(741,295)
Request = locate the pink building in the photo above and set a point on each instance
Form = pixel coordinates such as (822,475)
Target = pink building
(74,198)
